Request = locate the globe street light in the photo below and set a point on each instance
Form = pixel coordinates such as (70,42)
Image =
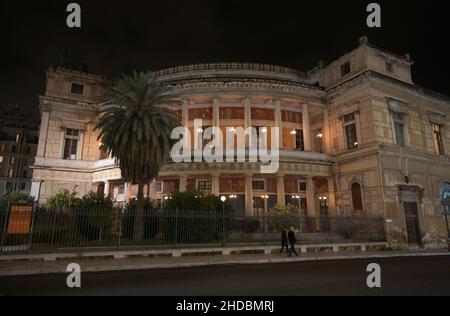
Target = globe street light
(223,199)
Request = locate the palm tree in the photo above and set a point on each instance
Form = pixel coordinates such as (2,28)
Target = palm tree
(135,128)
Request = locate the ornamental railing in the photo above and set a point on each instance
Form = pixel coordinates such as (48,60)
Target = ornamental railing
(29,229)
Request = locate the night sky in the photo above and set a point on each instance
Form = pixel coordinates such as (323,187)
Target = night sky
(120,36)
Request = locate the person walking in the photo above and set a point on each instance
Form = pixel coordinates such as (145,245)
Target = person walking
(284,242)
(292,241)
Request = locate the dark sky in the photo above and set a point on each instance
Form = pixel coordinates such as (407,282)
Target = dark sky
(119,36)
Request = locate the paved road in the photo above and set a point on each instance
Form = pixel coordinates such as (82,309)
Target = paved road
(400,276)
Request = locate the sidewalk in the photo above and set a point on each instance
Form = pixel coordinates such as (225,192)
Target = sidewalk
(17,268)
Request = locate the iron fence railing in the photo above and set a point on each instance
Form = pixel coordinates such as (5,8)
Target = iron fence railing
(96,228)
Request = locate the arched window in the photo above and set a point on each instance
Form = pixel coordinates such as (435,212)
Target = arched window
(357,197)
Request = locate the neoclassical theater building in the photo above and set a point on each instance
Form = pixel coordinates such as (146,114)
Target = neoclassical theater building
(357,138)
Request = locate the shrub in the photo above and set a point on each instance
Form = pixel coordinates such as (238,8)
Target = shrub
(64,200)
(196,218)
(151,219)
(252,226)
(283,217)
(14,198)
(95,216)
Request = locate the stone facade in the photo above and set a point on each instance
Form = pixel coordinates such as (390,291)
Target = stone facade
(358,138)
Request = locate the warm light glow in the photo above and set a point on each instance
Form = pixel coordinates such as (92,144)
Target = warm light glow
(223,199)
(356,144)
(200,130)
(294,132)
(232,130)
(264,130)
(320,135)
(233,196)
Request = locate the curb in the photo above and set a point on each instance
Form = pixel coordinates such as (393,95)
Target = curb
(161,266)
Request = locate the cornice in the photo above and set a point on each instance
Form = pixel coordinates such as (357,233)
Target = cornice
(247,85)
(369,75)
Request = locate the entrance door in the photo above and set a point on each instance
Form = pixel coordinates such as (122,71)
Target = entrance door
(412,223)
(258,207)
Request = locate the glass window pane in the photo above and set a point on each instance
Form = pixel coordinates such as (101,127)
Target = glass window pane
(352,139)
(400,134)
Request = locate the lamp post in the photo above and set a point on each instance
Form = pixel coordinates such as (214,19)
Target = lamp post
(299,199)
(223,199)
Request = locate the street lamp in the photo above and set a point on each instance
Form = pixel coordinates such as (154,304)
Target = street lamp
(223,199)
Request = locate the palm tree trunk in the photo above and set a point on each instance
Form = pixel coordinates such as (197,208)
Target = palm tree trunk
(138,231)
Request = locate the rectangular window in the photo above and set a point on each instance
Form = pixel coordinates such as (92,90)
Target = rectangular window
(77,89)
(23,185)
(159,187)
(71,144)
(302,186)
(389,67)
(345,69)
(204,185)
(399,127)
(299,140)
(121,190)
(352,138)
(350,131)
(24,174)
(438,139)
(259,185)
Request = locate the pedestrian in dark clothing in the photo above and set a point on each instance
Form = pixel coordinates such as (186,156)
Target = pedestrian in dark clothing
(284,242)
(292,241)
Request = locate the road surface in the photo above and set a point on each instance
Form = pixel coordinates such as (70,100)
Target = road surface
(400,276)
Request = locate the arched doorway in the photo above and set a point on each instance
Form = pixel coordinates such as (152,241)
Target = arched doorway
(357,199)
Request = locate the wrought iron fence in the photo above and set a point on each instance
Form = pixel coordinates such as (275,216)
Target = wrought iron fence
(43,230)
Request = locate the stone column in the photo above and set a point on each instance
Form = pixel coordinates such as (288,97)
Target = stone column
(153,193)
(215,188)
(249,195)
(331,197)
(185,114)
(107,189)
(80,146)
(326,133)
(183,184)
(307,127)
(127,192)
(35,190)
(216,112)
(311,198)
(280,190)
(43,134)
(248,118)
(279,122)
